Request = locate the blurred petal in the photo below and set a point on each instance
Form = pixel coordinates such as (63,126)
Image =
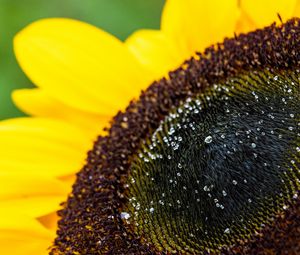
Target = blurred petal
(42,147)
(49,220)
(79,64)
(156,51)
(21,186)
(297,9)
(37,102)
(16,221)
(32,206)
(200,23)
(244,24)
(264,13)
(24,242)
(173,23)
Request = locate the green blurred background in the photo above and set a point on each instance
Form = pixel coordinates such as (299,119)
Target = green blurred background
(119,17)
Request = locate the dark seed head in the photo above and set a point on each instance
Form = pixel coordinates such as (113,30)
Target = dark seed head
(219,167)
(204,162)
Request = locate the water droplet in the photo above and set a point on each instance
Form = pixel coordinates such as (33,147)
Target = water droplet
(208,139)
(253,145)
(125,215)
(227,231)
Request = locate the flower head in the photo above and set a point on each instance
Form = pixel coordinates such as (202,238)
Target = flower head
(205,160)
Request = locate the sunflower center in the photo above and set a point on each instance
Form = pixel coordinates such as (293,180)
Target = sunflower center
(220,166)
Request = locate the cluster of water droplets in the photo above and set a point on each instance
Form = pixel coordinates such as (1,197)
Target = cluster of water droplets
(184,180)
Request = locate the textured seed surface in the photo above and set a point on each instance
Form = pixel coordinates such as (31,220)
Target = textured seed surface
(220,166)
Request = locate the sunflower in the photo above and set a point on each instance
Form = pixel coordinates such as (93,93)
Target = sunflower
(214,113)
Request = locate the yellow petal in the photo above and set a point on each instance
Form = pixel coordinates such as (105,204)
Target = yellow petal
(15,186)
(23,242)
(16,221)
(32,206)
(244,24)
(156,51)
(79,64)
(264,13)
(49,220)
(39,146)
(173,23)
(68,179)
(37,102)
(200,23)
(297,9)
(20,234)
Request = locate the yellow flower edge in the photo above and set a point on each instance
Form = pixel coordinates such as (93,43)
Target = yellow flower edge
(83,77)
